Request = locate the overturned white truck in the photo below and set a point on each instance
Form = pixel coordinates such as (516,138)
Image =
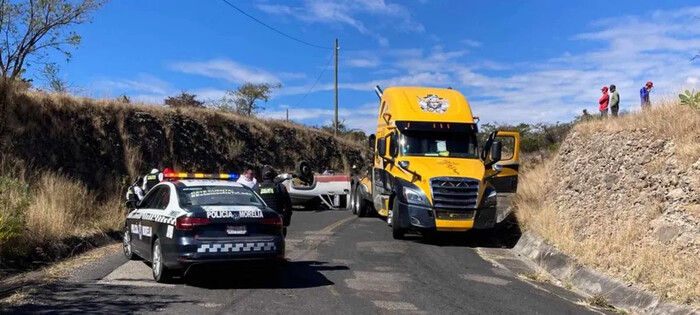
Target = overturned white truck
(314,191)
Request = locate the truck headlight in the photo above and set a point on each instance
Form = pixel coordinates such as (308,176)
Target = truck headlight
(415,196)
(490,200)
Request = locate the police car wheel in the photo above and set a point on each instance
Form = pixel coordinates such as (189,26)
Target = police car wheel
(128,250)
(160,273)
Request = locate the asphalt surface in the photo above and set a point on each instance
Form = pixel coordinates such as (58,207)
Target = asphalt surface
(338,264)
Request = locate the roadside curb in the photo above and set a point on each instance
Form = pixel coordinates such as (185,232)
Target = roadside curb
(591,282)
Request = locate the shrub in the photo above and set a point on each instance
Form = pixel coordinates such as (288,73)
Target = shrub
(14,201)
(690,99)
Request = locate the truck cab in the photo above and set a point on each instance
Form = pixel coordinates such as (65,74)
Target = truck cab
(428,172)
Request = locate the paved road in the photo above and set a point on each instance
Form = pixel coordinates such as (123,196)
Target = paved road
(339,264)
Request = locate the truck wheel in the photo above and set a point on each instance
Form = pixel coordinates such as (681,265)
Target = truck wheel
(128,249)
(360,204)
(396,231)
(353,200)
(160,273)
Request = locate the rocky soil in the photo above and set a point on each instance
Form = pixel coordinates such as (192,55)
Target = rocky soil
(629,177)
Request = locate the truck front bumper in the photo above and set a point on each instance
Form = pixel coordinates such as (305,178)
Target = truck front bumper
(427,218)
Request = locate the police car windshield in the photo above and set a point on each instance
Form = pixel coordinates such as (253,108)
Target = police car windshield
(217,196)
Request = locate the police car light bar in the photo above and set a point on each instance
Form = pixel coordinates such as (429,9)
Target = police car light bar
(175,175)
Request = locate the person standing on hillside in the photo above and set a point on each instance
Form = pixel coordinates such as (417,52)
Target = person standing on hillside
(603,102)
(248,179)
(644,95)
(614,100)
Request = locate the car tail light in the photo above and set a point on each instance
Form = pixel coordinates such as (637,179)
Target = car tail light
(185,223)
(272,221)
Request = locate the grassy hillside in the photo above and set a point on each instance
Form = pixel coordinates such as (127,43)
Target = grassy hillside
(623,195)
(98,141)
(65,161)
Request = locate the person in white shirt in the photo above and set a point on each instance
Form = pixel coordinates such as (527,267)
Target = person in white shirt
(248,179)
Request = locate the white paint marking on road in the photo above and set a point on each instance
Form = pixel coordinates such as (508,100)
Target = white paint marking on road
(395,306)
(132,273)
(485,279)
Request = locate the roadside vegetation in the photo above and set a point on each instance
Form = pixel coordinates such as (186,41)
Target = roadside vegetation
(38,212)
(621,195)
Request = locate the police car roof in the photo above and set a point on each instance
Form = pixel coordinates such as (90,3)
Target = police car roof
(207,182)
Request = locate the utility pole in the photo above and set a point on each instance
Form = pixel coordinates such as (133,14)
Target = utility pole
(287,114)
(335,122)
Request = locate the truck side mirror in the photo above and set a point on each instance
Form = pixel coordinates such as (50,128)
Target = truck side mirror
(394,145)
(496,148)
(372,141)
(381,147)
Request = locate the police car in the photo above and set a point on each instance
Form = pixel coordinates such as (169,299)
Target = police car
(199,218)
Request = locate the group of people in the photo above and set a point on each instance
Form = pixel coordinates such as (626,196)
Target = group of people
(274,194)
(610,100)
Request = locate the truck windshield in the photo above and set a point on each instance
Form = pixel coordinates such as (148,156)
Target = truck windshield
(449,144)
(217,196)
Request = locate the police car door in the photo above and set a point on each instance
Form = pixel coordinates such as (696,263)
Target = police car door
(143,225)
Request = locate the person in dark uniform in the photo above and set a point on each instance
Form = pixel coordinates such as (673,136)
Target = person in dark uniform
(151,179)
(275,195)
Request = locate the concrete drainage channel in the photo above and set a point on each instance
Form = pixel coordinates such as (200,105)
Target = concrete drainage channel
(591,282)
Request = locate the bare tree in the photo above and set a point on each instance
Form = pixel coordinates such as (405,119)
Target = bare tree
(28,28)
(54,82)
(246,96)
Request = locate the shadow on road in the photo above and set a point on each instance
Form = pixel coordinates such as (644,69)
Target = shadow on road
(75,298)
(291,275)
(504,235)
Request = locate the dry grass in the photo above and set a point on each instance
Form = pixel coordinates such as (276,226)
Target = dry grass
(59,207)
(619,251)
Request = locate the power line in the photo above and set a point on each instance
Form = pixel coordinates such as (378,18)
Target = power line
(274,29)
(317,79)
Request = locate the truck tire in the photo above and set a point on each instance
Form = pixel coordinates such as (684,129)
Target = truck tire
(361,204)
(304,172)
(353,199)
(396,231)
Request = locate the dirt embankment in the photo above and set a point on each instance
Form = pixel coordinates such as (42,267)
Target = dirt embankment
(623,196)
(97,141)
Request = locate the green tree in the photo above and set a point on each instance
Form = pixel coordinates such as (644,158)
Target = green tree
(245,98)
(184,99)
(29,28)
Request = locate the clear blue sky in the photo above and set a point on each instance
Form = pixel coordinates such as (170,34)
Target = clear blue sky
(529,61)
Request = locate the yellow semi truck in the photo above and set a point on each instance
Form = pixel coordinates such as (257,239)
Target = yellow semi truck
(428,172)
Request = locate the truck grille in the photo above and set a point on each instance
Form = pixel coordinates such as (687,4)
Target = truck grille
(454,194)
